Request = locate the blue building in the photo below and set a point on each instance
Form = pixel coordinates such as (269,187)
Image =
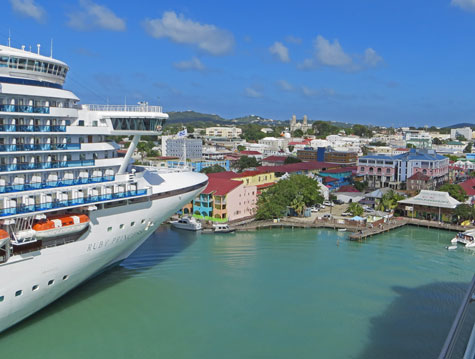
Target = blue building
(197,166)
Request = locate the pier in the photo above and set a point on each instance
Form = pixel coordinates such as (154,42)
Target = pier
(358,231)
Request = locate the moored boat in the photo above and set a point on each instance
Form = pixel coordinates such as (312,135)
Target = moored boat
(187,223)
(222,228)
(467,238)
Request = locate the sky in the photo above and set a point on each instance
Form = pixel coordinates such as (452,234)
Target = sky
(391,63)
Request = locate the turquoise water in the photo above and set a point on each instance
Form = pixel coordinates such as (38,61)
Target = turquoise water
(267,294)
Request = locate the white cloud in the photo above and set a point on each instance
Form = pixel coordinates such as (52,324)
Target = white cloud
(309,92)
(252,92)
(177,28)
(284,85)
(28,8)
(468,5)
(194,64)
(280,51)
(293,40)
(331,54)
(93,16)
(307,64)
(371,57)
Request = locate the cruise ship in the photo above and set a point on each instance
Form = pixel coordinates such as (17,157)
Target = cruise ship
(70,207)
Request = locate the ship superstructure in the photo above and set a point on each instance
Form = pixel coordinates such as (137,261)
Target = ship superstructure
(69,205)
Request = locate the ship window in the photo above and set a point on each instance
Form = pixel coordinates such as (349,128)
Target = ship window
(50,68)
(51,282)
(121,226)
(2,298)
(3,61)
(66,277)
(132,224)
(22,64)
(18,293)
(44,66)
(109,229)
(30,65)
(35,287)
(143,221)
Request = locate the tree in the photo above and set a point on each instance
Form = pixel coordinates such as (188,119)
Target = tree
(297,133)
(213,169)
(291,148)
(436,141)
(464,211)
(355,209)
(291,159)
(246,162)
(452,158)
(455,191)
(468,148)
(410,145)
(322,129)
(389,201)
(241,148)
(273,203)
(460,137)
(298,204)
(360,185)
(378,143)
(252,132)
(362,131)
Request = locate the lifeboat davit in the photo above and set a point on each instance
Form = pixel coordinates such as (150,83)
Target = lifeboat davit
(4,237)
(61,225)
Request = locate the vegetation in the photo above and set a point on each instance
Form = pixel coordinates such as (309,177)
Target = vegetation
(291,159)
(455,191)
(297,133)
(252,132)
(246,162)
(452,158)
(362,131)
(297,191)
(464,211)
(468,148)
(378,143)
(389,201)
(323,129)
(145,149)
(437,141)
(241,148)
(213,169)
(360,185)
(410,145)
(355,209)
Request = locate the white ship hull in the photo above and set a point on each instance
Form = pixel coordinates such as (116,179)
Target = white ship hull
(71,264)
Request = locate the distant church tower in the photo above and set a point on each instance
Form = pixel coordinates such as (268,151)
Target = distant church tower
(304,126)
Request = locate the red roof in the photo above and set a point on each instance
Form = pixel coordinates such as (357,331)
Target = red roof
(297,143)
(402,149)
(348,188)
(275,159)
(329,179)
(339,170)
(469,186)
(250,153)
(221,186)
(300,166)
(419,176)
(223,175)
(265,185)
(248,173)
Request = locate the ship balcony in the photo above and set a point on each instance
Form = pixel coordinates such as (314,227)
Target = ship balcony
(32,128)
(23,208)
(45,165)
(55,184)
(24,109)
(40,147)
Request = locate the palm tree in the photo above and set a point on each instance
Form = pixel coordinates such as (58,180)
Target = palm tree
(298,204)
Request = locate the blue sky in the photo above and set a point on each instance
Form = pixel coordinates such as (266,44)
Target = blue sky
(392,63)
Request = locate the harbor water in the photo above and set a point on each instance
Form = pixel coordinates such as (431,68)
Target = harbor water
(302,293)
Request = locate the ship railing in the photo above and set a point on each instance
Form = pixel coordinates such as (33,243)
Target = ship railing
(54,184)
(456,329)
(24,109)
(24,208)
(32,128)
(45,165)
(123,108)
(40,147)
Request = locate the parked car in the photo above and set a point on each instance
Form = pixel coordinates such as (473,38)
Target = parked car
(327,216)
(328,203)
(313,209)
(337,201)
(346,214)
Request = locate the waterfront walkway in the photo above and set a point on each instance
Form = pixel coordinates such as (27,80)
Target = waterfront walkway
(359,231)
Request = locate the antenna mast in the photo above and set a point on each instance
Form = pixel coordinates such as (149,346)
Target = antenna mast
(51,54)
(9,38)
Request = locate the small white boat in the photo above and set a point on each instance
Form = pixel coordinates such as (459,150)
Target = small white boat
(341,229)
(222,228)
(467,238)
(187,223)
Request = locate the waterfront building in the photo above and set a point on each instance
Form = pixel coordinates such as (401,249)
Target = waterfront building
(419,181)
(469,187)
(393,171)
(430,205)
(456,133)
(223,132)
(174,147)
(198,166)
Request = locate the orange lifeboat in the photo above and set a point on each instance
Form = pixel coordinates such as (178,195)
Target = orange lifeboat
(4,237)
(54,226)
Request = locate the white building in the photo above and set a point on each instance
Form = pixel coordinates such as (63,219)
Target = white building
(274,144)
(465,132)
(224,132)
(173,147)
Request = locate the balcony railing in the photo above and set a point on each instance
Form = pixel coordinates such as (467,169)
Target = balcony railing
(54,184)
(67,203)
(124,108)
(24,109)
(40,147)
(45,165)
(32,128)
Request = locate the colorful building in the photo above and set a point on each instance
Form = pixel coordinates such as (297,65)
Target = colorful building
(393,171)
(430,205)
